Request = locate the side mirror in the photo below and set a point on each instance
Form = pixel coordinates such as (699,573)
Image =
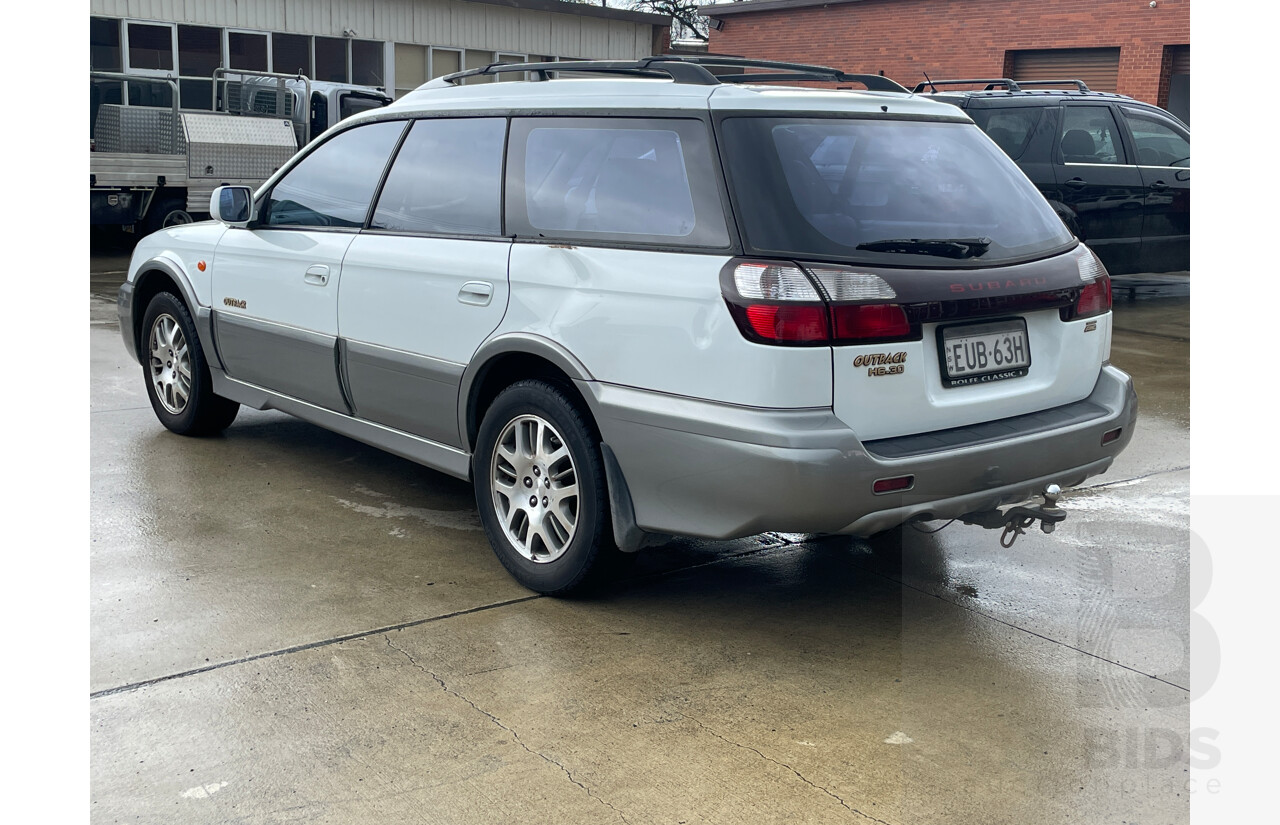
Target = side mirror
(233,205)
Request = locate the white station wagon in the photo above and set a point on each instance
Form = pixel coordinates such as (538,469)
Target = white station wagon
(654,301)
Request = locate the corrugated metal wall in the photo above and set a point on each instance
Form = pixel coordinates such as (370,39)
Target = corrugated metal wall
(428,22)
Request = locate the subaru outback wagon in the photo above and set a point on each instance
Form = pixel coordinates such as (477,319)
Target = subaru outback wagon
(653,302)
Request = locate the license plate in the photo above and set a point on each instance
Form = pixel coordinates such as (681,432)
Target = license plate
(981,353)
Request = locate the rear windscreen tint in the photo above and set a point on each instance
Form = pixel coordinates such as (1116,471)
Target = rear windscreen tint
(823,186)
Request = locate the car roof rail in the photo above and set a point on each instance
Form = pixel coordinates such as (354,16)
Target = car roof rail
(993,83)
(689,69)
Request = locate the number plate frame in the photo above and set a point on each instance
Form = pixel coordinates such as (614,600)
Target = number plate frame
(985,327)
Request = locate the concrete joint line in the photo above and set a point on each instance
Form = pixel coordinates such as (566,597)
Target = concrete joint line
(514,736)
(308,646)
(1028,632)
(801,776)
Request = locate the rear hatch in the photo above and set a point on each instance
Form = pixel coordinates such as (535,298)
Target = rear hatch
(948,290)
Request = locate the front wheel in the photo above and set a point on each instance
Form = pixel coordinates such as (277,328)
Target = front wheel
(540,488)
(178,381)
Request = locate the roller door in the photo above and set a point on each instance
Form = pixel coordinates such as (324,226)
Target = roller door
(1098,68)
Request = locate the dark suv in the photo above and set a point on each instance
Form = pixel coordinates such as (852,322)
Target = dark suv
(1118,171)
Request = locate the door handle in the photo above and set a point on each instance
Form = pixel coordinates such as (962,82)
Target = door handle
(1076,183)
(317,274)
(1159,185)
(476,293)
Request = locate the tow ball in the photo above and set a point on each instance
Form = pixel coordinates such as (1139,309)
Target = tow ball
(1016,520)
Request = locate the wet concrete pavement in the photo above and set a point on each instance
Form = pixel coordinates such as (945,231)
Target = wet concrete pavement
(290,626)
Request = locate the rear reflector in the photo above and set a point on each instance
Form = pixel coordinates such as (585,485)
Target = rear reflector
(893,485)
(857,321)
(1111,435)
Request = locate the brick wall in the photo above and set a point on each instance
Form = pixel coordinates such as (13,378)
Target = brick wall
(962,38)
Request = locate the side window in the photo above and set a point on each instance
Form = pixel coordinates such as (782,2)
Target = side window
(333,185)
(319,115)
(1157,142)
(446,179)
(1089,135)
(624,179)
(1011,129)
(353,103)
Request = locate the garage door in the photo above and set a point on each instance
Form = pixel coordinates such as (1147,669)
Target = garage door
(1098,68)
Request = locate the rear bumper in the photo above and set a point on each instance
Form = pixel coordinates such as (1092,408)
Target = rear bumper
(717,471)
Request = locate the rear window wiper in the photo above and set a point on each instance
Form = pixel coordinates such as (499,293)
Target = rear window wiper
(942,247)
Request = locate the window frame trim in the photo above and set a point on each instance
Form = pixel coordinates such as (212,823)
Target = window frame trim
(125,48)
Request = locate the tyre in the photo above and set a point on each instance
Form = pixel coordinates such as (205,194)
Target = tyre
(176,373)
(540,489)
(166,213)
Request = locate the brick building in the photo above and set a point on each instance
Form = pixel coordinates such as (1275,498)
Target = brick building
(1136,47)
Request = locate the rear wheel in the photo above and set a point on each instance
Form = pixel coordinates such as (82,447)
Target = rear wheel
(178,381)
(540,488)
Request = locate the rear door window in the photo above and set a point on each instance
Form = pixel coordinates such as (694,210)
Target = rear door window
(619,179)
(333,185)
(1090,135)
(446,179)
(1158,142)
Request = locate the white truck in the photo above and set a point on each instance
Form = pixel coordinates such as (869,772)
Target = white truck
(156,166)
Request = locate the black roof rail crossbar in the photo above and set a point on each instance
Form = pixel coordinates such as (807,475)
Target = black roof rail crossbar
(689,70)
(789,71)
(991,82)
(1079,84)
(1011,85)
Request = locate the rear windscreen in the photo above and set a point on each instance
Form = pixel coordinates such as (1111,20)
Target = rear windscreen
(822,187)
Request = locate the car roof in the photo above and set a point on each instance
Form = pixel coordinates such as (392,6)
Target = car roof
(617,95)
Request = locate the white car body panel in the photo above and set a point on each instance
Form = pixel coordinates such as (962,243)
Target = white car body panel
(406,293)
(656,320)
(1064,368)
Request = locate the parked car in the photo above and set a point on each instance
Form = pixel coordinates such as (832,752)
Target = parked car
(658,303)
(1117,170)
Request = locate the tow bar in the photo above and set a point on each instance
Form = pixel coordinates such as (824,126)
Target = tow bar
(1016,520)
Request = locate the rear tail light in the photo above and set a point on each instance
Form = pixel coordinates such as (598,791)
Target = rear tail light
(1095,298)
(1095,295)
(790,305)
(1111,435)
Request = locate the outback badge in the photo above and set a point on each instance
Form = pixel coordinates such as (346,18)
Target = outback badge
(882,363)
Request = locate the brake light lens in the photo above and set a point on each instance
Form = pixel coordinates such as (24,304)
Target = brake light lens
(791,324)
(1095,298)
(809,305)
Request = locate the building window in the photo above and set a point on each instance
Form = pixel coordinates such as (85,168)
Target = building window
(199,54)
(104,45)
(445,62)
(291,53)
(150,47)
(411,67)
(247,50)
(331,59)
(367,57)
